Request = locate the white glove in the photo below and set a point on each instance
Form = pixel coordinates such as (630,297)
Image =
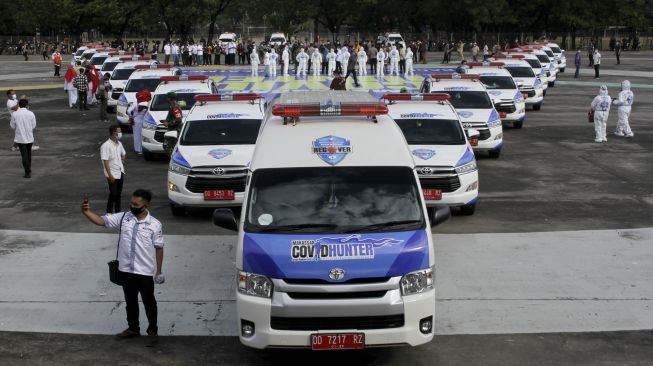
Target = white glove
(160,279)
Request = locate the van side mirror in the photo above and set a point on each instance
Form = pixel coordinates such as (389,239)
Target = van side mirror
(519,85)
(472,136)
(439,214)
(225,218)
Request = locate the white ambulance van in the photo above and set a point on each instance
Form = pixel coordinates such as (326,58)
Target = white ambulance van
(334,241)
(528,83)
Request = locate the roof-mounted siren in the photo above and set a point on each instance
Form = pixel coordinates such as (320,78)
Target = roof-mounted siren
(135,58)
(329,109)
(204,98)
(166,79)
(153,66)
(485,64)
(392,97)
(455,76)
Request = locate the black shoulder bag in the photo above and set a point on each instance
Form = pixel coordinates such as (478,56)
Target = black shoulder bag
(114,272)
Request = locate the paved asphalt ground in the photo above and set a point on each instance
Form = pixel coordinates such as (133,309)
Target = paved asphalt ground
(551,177)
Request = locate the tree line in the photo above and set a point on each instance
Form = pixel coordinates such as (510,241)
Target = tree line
(180,18)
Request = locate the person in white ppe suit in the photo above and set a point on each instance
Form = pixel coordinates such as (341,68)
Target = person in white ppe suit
(339,60)
(624,103)
(266,63)
(601,107)
(380,62)
(137,114)
(331,59)
(345,58)
(285,58)
(316,60)
(273,63)
(394,61)
(409,62)
(362,61)
(253,58)
(302,62)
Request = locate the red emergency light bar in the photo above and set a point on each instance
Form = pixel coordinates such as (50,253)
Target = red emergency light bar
(226,97)
(531,46)
(184,78)
(406,96)
(491,64)
(120,53)
(342,109)
(153,66)
(455,76)
(508,56)
(135,59)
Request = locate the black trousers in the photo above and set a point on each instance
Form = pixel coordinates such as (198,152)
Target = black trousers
(81,99)
(402,66)
(115,192)
(353,74)
(56,70)
(132,285)
(577,72)
(26,155)
(596,70)
(339,66)
(373,65)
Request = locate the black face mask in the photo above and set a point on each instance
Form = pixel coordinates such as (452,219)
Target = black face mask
(136,210)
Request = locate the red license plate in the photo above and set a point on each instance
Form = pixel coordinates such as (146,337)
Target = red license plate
(329,341)
(503,114)
(432,194)
(220,194)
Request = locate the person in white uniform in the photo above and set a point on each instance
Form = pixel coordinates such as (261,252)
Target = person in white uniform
(302,61)
(253,57)
(316,60)
(409,62)
(331,59)
(394,61)
(601,107)
(362,62)
(137,114)
(380,62)
(273,63)
(624,103)
(285,58)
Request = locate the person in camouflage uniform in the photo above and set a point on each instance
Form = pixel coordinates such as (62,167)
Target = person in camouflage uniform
(173,122)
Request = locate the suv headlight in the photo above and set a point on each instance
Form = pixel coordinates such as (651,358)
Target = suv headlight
(149,126)
(254,284)
(495,123)
(123,103)
(467,168)
(416,282)
(179,169)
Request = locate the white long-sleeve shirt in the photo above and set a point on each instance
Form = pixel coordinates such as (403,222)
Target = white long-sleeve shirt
(23,122)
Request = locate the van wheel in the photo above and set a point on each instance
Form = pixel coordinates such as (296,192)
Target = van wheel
(544,93)
(562,70)
(553,84)
(537,107)
(468,210)
(148,156)
(518,124)
(177,210)
(494,154)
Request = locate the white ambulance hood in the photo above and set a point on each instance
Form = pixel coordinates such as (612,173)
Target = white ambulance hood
(223,155)
(437,155)
(506,94)
(477,115)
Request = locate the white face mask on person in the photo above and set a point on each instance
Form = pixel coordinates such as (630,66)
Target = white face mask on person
(14,97)
(119,135)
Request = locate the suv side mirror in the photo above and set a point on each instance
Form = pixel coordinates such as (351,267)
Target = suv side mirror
(472,136)
(519,85)
(224,218)
(171,135)
(439,214)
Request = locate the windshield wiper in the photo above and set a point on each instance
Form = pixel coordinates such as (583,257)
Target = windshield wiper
(298,227)
(386,225)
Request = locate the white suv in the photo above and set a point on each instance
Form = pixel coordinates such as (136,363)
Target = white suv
(528,83)
(209,165)
(444,159)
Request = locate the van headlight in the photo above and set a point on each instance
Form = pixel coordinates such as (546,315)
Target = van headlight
(254,284)
(179,169)
(495,123)
(467,168)
(416,282)
(123,103)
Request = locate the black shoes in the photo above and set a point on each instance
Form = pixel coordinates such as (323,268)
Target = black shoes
(152,339)
(128,333)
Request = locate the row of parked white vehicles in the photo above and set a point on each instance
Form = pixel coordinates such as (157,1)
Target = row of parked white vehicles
(339,191)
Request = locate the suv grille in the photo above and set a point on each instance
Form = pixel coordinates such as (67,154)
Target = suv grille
(359,323)
(507,107)
(336,295)
(447,185)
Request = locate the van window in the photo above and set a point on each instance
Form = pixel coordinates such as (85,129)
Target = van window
(122,74)
(469,99)
(432,131)
(220,132)
(520,71)
(334,200)
(136,85)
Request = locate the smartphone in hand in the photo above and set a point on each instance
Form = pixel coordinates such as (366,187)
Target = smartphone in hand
(85,198)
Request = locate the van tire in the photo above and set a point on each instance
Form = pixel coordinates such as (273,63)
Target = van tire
(494,154)
(148,156)
(177,210)
(468,210)
(537,107)
(518,124)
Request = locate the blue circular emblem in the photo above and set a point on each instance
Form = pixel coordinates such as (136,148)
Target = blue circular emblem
(219,153)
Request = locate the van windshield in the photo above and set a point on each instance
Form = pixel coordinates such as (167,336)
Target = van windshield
(136,85)
(543,58)
(466,99)
(334,200)
(108,66)
(555,49)
(498,82)
(277,39)
(432,131)
(520,71)
(534,63)
(99,60)
(80,52)
(220,132)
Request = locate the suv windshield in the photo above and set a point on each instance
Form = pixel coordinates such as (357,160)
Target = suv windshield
(395,39)
(136,85)
(534,63)
(555,49)
(122,74)
(99,60)
(220,132)
(549,53)
(520,71)
(277,39)
(334,200)
(79,52)
(432,131)
(498,82)
(469,99)
(88,55)
(109,66)
(543,58)
(160,101)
